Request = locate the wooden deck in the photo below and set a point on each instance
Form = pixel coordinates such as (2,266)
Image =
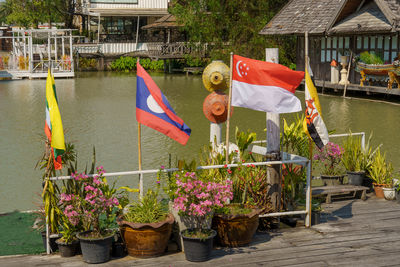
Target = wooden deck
(356,87)
(352,233)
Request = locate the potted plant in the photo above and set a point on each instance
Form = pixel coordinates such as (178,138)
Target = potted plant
(316,209)
(380,172)
(397,192)
(355,159)
(68,244)
(52,214)
(95,208)
(146,226)
(196,201)
(330,157)
(237,222)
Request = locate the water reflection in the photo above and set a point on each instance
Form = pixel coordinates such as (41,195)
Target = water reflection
(98,109)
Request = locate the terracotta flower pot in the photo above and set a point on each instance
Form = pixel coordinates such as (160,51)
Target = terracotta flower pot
(235,230)
(146,239)
(378,188)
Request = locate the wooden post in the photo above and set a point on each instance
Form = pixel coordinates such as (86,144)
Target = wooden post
(229,111)
(347,76)
(140,152)
(273,144)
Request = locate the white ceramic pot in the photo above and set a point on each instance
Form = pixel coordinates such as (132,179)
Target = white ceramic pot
(389,193)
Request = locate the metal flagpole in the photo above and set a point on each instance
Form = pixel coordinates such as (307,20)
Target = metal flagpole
(229,111)
(140,151)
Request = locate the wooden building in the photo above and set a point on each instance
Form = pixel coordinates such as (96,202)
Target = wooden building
(339,27)
(121,20)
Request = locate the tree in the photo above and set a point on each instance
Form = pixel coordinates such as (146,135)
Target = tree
(29,13)
(231,25)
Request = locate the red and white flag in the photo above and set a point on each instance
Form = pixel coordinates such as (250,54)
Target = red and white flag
(264,86)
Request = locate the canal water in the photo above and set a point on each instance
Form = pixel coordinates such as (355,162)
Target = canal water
(98,110)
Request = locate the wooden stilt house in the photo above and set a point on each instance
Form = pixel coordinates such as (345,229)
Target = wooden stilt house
(339,27)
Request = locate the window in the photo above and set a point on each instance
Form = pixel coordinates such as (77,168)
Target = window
(334,47)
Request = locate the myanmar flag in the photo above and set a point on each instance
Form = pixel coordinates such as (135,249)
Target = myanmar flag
(53,127)
(313,124)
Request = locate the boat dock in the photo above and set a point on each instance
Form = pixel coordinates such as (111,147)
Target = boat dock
(351,233)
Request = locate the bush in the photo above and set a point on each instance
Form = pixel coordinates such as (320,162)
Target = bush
(370,58)
(129,63)
(87,63)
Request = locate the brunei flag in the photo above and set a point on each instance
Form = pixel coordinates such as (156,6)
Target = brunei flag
(53,127)
(313,124)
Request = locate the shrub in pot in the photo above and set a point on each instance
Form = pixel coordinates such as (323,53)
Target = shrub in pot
(380,172)
(197,199)
(355,159)
(68,244)
(316,209)
(146,226)
(96,208)
(235,224)
(329,158)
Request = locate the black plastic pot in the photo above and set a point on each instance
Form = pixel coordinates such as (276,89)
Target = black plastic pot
(68,250)
(96,250)
(315,217)
(397,195)
(356,178)
(52,241)
(196,249)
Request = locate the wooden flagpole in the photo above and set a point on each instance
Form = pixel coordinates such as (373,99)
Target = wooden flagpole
(229,111)
(140,150)
(309,138)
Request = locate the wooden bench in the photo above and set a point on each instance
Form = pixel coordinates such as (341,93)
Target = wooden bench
(330,191)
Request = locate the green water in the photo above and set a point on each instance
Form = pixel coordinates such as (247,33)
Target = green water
(98,109)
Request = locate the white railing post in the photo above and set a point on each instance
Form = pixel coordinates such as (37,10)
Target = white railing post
(363,141)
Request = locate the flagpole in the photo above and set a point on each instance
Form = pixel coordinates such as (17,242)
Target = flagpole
(140,151)
(310,148)
(229,111)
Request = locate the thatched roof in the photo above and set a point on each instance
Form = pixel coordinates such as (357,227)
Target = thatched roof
(168,21)
(324,17)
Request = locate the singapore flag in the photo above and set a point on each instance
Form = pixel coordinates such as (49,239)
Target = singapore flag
(264,86)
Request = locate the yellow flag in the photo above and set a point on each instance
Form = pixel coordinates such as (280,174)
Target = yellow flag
(53,120)
(313,124)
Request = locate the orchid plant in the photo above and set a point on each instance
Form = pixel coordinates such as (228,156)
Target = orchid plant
(197,198)
(330,156)
(95,200)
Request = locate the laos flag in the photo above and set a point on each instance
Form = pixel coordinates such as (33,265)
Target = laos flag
(154,111)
